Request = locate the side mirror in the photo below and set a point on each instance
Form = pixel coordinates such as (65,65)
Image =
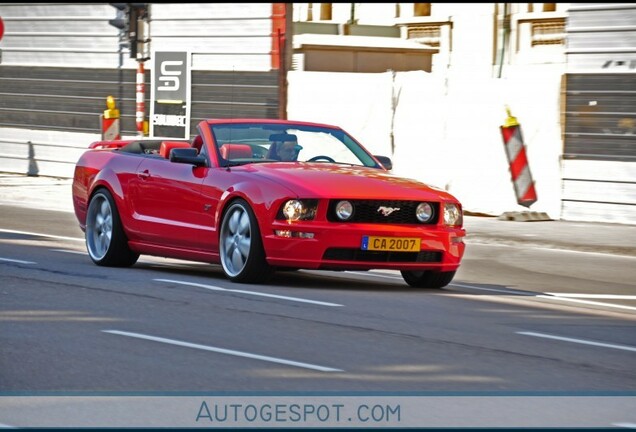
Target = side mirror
(385,161)
(187,155)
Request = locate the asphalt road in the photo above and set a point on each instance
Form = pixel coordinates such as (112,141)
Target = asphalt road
(514,319)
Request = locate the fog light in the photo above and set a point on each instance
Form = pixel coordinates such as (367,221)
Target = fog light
(424,212)
(344,210)
(293,234)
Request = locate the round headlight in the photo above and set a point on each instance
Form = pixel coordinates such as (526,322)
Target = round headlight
(452,214)
(424,212)
(293,210)
(344,210)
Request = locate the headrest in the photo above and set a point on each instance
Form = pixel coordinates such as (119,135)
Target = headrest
(236,151)
(197,142)
(283,137)
(166,146)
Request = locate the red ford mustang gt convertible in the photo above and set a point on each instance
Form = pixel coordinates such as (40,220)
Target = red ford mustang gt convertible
(257,195)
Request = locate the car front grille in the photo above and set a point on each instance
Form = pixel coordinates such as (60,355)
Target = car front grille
(359,255)
(367,211)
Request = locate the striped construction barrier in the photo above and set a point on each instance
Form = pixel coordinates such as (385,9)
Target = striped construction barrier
(110,129)
(518,161)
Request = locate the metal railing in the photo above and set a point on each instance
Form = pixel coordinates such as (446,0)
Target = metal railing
(35,158)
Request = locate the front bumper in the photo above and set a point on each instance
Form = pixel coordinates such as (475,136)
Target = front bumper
(338,247)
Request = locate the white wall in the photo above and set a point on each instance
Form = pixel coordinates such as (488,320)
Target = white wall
(359,103)
(446,135)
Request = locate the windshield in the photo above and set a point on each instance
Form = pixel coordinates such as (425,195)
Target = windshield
(240,143)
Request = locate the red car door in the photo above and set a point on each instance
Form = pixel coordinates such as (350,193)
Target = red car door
(167,204)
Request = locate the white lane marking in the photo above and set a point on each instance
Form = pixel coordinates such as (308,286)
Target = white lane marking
(580,341)
(625,425)
(214,288)
(375,275)
(553,296)
(493,289)
(396,277)
(225,351)
(36,205)
(68,251)
(41,235)
(17,261)
(573,300)
(597,296)
(146,260)
(542,248)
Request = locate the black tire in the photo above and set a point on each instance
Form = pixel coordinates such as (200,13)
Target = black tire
(241,246)
(106,241)
(428,278)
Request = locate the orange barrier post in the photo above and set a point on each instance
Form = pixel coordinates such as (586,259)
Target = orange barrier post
(518,161)
(110,121)
(140,89)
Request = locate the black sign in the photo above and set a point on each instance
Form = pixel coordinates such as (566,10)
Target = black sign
(170,99)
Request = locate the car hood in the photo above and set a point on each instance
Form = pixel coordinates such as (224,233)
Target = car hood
(324,180)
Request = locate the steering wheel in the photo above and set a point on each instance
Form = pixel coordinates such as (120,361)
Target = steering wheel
(321,157)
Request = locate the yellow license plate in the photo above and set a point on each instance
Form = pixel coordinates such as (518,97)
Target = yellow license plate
(391,244)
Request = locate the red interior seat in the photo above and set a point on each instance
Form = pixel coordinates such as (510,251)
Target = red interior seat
(197,143)
(236,151)
(166,146)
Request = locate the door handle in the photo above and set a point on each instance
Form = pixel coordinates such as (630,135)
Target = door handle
(143,174)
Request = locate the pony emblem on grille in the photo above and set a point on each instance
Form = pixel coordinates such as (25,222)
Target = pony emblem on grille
(387,210)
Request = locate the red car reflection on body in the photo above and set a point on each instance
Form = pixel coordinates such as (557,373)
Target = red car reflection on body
(225,198)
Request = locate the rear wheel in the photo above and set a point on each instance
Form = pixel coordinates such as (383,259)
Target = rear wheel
(241,246)
(427,278)
(106,241)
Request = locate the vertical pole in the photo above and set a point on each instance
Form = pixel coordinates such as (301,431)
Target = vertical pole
(120,68)
(506,31)
(280,54)
(140,105)
(33,164)
(282,78)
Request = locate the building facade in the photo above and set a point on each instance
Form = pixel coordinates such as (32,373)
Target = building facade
(60,60)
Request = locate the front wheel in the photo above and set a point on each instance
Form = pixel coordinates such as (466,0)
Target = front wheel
(241,246)
(427,278)
(106,241)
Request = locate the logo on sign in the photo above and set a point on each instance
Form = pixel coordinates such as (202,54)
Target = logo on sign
(171,79)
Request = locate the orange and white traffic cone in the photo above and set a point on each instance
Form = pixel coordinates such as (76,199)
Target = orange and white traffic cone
(518,161)
(110,121)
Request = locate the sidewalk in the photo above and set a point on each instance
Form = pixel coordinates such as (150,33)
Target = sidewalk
(607,238)
(46,193)
(50,193)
